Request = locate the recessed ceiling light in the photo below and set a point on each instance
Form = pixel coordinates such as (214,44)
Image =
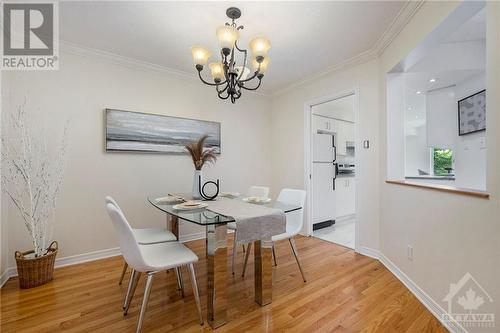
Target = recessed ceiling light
(432,80)
(418,92)
(409,108)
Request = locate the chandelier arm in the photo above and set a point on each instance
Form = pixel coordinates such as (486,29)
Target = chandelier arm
(250,78)
(255,88)
(236,44)
(208,83)
(221,91)
(223,97)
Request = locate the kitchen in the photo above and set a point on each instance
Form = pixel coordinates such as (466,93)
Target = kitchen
(334,171)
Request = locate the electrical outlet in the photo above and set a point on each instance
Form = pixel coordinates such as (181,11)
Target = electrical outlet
(482,143)
(409,252)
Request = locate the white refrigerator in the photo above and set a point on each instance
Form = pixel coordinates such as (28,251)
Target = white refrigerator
(323,176)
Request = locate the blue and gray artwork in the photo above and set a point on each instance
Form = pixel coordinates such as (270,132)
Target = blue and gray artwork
(472,112)
(134,131)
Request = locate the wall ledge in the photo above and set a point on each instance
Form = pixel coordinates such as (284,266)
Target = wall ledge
(442,188)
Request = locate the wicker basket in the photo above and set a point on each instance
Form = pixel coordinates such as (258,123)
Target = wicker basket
(36,271)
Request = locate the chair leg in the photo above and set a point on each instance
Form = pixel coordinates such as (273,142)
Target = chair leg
(180,280)
(130,282)
(249,247)
(243,246)
(274,256)
(234,252)
(125,266)
(295,253)
(147,292)
(135,279)
(194,285)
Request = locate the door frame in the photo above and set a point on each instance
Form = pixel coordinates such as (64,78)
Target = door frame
(308,148)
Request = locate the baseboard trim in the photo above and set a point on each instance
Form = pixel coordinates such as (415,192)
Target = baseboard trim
(6,275)
(369,252)
(89,256)
(421,295)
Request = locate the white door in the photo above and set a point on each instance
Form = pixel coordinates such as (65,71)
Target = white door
(323,192)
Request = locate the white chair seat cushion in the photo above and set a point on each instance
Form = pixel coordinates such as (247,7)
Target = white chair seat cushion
(291,230)
(153,235)
(231,225)
(162,256)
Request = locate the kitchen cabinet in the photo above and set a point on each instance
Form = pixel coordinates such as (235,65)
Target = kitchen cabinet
(345,196)
(322,123)
(345,136)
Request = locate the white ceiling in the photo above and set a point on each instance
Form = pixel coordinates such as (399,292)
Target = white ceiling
(306,37)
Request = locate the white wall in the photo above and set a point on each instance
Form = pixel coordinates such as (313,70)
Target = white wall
(79,91)
(450,234)
(288,139)
(417,153)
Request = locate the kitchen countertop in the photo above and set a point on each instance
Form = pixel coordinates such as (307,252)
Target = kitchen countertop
(346,175)
(432,177)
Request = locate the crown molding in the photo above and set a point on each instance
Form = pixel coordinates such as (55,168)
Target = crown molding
(404,16)
(397,25)
(132,63)
(79,50)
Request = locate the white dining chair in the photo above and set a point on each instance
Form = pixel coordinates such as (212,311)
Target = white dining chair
(147,236)
(150,259)
(294,223)
(253,191)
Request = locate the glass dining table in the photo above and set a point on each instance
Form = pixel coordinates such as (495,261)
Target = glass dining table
(217,256)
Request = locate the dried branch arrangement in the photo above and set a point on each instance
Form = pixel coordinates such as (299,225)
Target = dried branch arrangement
(199,155)
(31,176)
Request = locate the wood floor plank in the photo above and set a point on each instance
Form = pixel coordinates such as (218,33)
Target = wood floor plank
(345,292)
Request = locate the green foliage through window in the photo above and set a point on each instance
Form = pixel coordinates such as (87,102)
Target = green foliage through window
(443,161)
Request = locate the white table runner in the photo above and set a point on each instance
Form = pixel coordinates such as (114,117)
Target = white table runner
(254,222)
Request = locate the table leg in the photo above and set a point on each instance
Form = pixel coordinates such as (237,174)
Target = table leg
(263,272)
(173,225)
(216,275)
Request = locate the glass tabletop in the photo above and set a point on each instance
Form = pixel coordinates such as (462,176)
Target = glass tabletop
(204,216)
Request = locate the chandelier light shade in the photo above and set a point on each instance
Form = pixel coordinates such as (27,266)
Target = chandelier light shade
(230,74)
(259,46)
(217,69)
(263,65)
(200,55)
(227,36)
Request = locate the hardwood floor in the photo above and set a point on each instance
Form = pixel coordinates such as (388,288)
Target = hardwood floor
(345,292)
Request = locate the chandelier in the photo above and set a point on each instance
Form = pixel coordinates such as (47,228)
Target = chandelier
(229,78)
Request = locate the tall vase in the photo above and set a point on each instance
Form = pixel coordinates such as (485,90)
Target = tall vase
(197,177)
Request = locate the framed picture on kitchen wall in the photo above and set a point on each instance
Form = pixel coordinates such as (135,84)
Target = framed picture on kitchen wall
(472,113)
(128,131)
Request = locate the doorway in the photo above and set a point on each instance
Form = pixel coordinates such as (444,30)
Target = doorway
(332,169)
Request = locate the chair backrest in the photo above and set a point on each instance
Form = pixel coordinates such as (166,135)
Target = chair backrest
(111,201)
(128,244)
(258,191)
(294,220)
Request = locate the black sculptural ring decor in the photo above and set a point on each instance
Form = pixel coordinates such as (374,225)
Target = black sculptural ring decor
(202,190)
